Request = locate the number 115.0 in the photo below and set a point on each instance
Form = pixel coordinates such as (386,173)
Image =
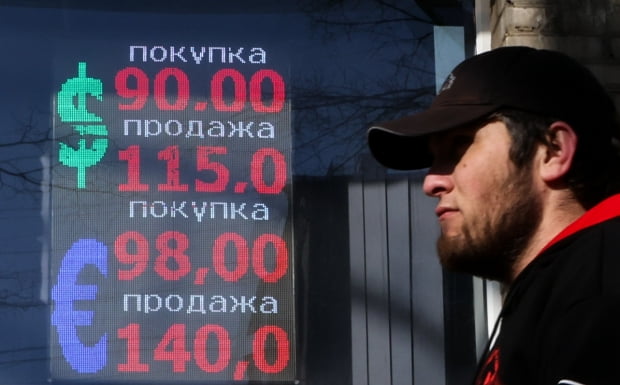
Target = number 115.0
(262,159)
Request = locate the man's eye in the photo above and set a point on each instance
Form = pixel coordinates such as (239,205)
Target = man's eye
(447,150)
(462,141)
(459,145)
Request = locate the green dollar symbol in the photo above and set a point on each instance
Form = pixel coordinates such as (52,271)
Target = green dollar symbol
(75,90)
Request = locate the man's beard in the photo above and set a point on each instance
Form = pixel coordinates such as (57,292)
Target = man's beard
(491,247)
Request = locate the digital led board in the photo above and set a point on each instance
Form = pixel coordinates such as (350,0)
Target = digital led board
(171,235)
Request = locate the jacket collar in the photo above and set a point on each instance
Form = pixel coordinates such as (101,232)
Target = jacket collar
(607,209)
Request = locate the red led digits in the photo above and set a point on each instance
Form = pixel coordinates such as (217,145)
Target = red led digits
(240,250)
(270,350)
(231,257)
(257,169)
(282,348)
(281,257)
(203,163)
(171,156)
(161,89)
(172,348)
(131,333)
(266,88)
(217,90)
(257,90)
(212,364)
(175,253)
(165,281)
(132,156)
(139,259)
(238,246)
(132,83)
(268,170)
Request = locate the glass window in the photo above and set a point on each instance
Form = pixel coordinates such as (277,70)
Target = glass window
(187,197)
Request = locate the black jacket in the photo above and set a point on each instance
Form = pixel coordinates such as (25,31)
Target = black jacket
(560,323)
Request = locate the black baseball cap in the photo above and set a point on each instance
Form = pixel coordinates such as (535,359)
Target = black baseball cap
(538,81)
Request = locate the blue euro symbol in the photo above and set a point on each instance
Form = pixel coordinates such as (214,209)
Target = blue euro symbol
(82,358)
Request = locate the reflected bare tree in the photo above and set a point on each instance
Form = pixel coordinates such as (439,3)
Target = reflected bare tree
(332,111)
(21,146)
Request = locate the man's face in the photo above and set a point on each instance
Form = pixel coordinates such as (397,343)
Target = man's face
(488,210)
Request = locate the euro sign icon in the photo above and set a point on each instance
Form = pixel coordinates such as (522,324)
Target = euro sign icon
(82,358)
(72,108)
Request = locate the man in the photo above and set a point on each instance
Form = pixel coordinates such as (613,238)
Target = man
(521,148)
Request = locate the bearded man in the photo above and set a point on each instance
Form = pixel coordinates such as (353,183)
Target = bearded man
(520,146)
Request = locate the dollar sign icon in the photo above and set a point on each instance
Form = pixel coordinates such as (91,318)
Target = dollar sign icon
(72,108)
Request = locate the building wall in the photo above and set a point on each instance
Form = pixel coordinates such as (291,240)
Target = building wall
(588,30)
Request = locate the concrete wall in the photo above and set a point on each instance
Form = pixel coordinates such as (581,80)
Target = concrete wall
(588,30)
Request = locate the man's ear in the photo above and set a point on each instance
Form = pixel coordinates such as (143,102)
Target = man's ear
(559,152)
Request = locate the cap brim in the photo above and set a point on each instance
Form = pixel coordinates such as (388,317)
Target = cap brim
(402,144)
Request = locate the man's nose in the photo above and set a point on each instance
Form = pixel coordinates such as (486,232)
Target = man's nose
(436,184)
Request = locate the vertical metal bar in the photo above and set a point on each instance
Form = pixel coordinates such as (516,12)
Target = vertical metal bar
(377,283)
(427,293)
(400,281)
(359,343)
